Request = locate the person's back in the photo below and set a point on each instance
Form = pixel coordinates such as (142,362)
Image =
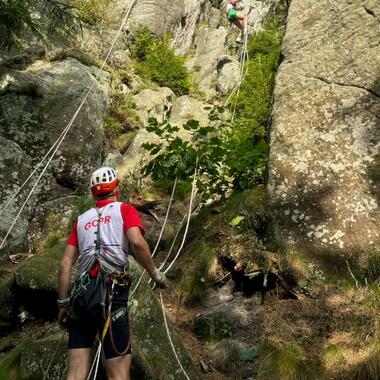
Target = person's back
(99,246)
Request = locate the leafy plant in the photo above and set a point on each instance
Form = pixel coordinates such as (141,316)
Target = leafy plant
(42,18)
(158,62)
(141,42)
(207,147)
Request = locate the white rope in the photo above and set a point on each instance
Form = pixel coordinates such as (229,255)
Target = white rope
(61,138)
(170,338)
(95,361)
(173,242)
(193,191)
(159,238)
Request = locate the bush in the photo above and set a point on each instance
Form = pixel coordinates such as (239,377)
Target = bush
(157,62)
(251,107)
(92,12)
(122,116)
(142,40)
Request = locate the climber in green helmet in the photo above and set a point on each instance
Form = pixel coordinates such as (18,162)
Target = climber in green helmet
(236,17)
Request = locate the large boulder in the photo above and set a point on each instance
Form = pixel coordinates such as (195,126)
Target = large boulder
(324,159)
(160,16)
(228,70)
(36,105)
(153,104)
(210,46)
(187,108)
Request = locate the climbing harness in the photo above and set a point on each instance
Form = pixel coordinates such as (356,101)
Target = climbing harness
(53,150)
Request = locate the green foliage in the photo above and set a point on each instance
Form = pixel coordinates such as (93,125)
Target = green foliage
(42,18)
(372,271)
(81,204)
(15,18)
(176,157)
(92,12)
(251,106)
(142,41)
(158,62)
(122,116)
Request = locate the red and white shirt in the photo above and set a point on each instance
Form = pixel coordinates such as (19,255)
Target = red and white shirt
(116,219)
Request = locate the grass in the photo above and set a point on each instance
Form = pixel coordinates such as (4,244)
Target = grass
(370,368)
(280,361)
(9,362)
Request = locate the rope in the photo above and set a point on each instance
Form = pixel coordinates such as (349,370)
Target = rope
(194,184)
(159,238)
(62,137)
(170,338)
(95,361)
(53,356)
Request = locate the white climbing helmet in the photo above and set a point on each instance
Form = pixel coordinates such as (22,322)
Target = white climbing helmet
(103,180)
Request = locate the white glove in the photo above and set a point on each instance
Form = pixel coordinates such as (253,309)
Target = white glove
(159,278)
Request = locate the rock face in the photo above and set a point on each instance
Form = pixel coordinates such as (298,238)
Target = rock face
(36,105)
(160,16)
(210,44)
(325,133)
(153,103)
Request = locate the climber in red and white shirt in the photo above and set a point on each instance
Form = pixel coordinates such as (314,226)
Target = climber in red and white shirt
(100,243)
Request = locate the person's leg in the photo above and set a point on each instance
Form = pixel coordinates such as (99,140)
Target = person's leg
(119,368)
(241,21)
(78,363)
(117,349)
(81,339)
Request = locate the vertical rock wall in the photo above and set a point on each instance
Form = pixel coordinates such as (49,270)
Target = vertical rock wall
(324,161)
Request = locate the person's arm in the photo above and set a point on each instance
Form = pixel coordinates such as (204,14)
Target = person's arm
(69,258)
(142,253)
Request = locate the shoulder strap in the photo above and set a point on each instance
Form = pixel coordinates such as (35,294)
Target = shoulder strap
(97,243)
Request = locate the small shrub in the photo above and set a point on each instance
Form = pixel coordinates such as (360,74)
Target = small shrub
(112,127)
(142,40)
(92,12)
(162,66)
(81,204)
(122,116)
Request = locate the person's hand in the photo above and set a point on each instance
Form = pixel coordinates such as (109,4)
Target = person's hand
(63,313)
(160,279)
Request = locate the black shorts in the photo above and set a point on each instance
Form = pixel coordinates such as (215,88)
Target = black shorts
(82,334)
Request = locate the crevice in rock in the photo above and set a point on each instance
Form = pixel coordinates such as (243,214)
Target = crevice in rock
(346,85)
(40,304)
(370,12)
